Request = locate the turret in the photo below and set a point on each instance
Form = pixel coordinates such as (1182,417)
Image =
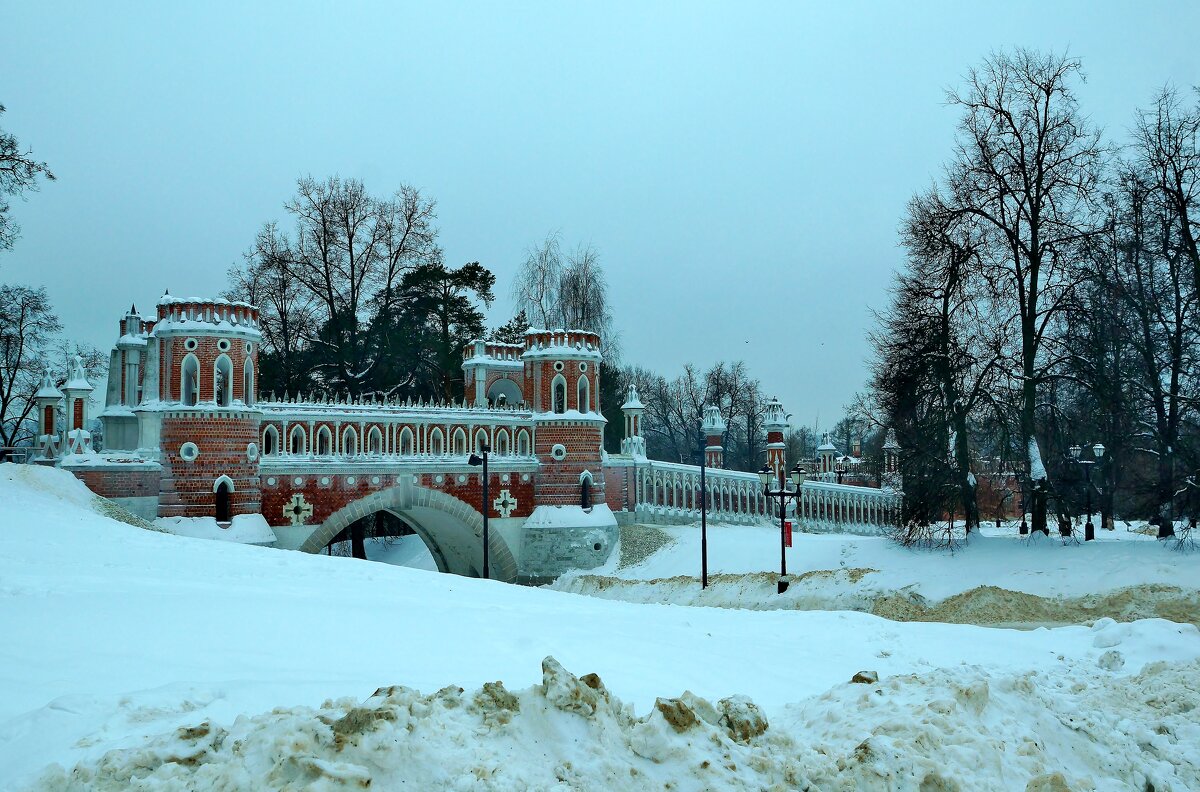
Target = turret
(826,454)
(714,437)
(775,423)
(47,400)
(891,462)
(78,394)
(633,444)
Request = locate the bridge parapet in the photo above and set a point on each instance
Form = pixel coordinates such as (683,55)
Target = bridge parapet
(669,493)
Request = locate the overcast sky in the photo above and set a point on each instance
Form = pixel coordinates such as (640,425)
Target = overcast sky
(742,168)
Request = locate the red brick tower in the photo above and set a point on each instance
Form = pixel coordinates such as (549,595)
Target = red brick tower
(775,422)
(208,366)
(562,387)
(714,437)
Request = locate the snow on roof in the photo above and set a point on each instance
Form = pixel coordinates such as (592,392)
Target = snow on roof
(47,390)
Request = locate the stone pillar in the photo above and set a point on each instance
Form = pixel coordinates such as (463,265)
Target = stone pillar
(78,393)
(826,454)
(47,400)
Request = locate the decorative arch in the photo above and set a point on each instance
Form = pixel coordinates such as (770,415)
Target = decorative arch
(224,480)
(298,441)
(323,444)
(189,380)
(585,489)
(523,443)
(458,445)
(504,392)
(223,381)
(407,447)
(583,394)
(350,442)
(558,394)
(270,441)
(375,442)
(437,445)
(481,439)
(452,530)
(501,445)
(248,391)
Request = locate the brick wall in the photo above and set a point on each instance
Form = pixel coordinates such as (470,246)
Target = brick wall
(120,481)
(558,482)
(222,438)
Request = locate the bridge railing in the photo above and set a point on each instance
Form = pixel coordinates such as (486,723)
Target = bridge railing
(669,492)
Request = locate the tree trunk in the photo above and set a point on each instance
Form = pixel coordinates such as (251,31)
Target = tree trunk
(966,481)
(358,547)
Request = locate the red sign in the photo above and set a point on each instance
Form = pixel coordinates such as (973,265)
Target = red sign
(787,533)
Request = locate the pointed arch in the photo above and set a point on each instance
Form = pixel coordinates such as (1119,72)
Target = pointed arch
(375,442)
(350,442)
(298,441)
(407,447)
(189,380)
(223,381)
(270,441)
(558,394)
(583,394)
(436,443)
(501,445)
(523,443)
(585,489)
(323,444)
(249,395)
(481,439)
(458,445)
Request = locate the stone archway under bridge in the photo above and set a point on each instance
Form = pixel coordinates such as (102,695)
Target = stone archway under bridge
(451,529)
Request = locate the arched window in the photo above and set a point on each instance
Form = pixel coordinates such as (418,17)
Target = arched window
(481,439)
(189,381)
(248,393)
(324,445)
(375,442)
(459,444)
(299,446)
(350,442)
(222,489)
(436,447)
(558,394)
(406,442)
(270,440)
(585,490)
(501,445)
(523,443)
(583,394)
(223,381)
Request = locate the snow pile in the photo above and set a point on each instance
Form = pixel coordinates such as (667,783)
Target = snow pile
(244,528)
(48,493)
(961,729)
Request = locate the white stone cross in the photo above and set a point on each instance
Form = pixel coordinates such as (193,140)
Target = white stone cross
(297,511)
(505,504)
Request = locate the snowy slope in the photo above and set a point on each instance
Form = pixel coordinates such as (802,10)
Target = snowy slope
(114,637)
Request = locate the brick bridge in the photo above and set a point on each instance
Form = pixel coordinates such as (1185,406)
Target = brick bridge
(186,435)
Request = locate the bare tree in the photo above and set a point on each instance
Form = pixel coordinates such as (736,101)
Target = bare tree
(1026,166)
(27,329)
(19,174)
(535,289)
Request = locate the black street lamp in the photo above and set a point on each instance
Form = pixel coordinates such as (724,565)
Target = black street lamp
(783,494)
(476,461)
(1089,530)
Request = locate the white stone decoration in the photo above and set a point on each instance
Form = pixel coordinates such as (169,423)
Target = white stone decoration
(559,452)
(252,452)
(189,451)
(505,503)
(297,510)
(298,481)
(270,481)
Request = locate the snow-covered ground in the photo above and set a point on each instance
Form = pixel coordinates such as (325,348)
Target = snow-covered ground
(133,659)
(1122,573)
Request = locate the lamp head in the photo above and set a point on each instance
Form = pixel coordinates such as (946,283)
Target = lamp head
(798,474)
(765,475)
(1098,450)
(474,460)
(1075,451)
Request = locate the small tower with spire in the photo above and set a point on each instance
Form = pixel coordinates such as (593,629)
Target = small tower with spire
(775,423)
(827,454)
(47,399)
(714,437)
(633,444)
(78,394)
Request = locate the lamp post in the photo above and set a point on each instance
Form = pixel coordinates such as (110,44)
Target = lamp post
(783,494)
(475,461)
(1089,530)
(840,471)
